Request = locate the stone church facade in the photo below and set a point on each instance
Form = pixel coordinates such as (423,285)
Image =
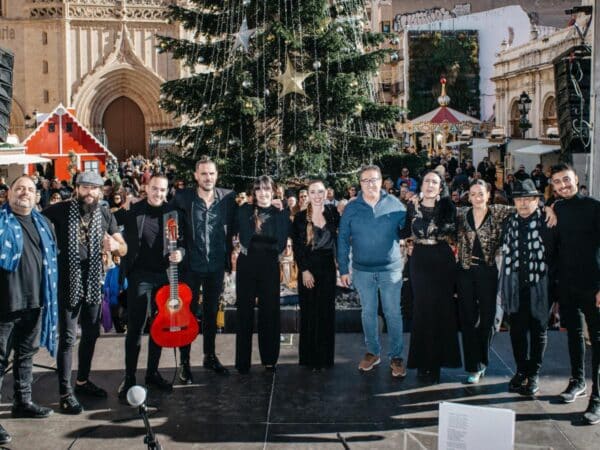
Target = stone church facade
(99,57)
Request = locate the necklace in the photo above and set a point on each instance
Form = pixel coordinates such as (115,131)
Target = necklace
(83,229)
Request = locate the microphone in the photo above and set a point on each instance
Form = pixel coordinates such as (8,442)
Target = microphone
(136,397)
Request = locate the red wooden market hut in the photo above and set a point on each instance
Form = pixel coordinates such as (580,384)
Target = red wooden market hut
(71,146)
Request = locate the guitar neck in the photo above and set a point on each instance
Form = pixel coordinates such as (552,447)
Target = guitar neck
(172,273)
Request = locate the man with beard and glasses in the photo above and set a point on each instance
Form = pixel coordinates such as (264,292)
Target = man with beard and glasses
(206,220)
(83,230)
(28,294)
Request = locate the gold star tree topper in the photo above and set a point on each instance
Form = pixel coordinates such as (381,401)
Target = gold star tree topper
(291,80)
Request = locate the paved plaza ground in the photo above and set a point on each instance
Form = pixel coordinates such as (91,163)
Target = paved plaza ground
(295,408)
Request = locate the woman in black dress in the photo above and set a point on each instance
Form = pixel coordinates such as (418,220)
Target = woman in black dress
(434,335)
(314,233)
(263,232)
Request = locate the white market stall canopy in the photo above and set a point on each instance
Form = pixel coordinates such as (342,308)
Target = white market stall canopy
(481,144)
(538,149)
(6,160)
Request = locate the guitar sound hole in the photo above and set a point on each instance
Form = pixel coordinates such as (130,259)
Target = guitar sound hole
(174,304)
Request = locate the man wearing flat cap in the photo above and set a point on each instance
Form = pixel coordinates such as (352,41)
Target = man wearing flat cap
(527,254)
(84,230)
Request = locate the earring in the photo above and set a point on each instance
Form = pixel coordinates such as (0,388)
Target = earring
(437,198)
(421,195)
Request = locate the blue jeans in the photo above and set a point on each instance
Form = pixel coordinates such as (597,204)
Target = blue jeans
(389,284)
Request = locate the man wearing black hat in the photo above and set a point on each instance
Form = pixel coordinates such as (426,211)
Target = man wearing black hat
(84,230)
(578,261)
(527,251)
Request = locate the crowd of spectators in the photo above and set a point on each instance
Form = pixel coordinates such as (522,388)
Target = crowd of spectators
(126,184)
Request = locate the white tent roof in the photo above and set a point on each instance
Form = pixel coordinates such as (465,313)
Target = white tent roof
(538,149)
(22,158)
(480,144)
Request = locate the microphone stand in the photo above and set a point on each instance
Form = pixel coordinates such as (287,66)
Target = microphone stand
(150,438)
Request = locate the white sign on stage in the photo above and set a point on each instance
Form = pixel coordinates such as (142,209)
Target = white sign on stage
(466,427)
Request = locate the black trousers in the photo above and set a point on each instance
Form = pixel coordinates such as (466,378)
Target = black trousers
(141,308)
(20,331)
(317,313)
(67,328)
(477,289)
(528,337)
(576,306)
(212,287)
(257,277)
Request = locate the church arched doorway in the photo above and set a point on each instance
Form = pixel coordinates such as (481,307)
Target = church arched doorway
(123,122)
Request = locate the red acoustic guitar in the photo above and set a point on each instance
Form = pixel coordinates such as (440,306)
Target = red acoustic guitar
(174,325)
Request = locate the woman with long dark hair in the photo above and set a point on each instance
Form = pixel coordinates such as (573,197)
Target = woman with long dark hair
(314,234)
(479,229)
(434,334)
(263,232)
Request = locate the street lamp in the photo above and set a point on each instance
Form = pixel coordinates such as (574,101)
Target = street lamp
(524,108)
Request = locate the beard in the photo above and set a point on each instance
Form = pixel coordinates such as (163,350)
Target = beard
(24,202)
(87,208)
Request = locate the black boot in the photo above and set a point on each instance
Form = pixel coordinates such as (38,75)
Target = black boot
(127,383)
(212,362)
(185,373)
(531,387)
(155,380)
(517,382)
(30,410)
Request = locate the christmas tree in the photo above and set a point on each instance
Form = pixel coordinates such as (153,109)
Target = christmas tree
(278,87)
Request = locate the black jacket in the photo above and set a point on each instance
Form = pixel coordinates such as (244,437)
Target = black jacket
(578,243)
(207,233)
(134,224)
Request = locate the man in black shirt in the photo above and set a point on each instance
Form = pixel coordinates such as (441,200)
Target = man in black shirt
(22,289)
(206,215)
(83,229)
(145,267)
(579,281)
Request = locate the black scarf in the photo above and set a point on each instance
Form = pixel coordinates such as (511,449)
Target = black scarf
(93,234)
(534,265)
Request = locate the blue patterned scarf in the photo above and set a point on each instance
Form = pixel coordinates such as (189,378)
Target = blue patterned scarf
(11,236)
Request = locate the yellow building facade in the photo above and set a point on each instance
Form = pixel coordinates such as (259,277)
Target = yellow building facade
(99,57)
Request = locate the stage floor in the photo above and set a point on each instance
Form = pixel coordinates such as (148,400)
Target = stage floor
(296,408)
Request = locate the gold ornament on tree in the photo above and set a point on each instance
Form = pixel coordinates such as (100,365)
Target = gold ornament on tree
(291,80)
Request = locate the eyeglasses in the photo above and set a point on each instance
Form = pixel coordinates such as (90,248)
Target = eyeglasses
(370,180)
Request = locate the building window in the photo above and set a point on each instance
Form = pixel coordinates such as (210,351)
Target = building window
(46,96)
(386,26)
(51,127)
(44,66)
(91,166)
(69,127)
(44,38)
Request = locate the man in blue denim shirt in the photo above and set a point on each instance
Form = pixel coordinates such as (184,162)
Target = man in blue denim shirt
(371,226)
